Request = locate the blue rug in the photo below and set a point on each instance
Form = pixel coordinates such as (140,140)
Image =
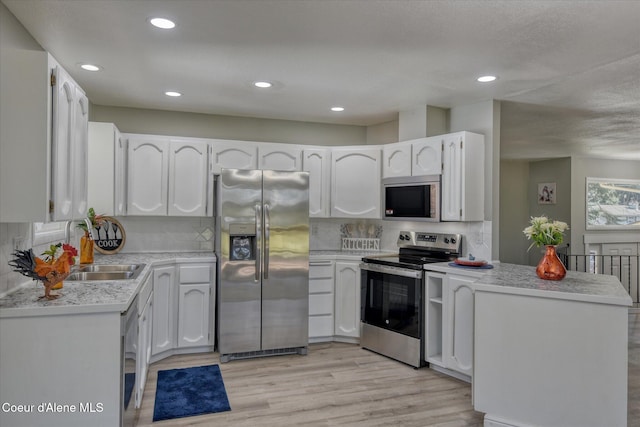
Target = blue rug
(188,392)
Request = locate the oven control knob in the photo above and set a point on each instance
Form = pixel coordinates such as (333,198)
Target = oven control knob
(446,240)
(453,240)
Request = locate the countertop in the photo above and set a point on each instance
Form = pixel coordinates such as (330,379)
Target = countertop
(93,297)
(576,286)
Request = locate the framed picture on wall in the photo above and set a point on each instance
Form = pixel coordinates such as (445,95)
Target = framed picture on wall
(547,193)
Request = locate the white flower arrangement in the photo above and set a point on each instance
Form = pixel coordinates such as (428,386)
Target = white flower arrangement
(545,232)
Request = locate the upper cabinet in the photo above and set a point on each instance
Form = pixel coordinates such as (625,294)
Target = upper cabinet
(231,154)
(355,182)
(188,178)
(317,161)
(280,157)
(422,156)
(462,177)
(43,140)
(168,177)
(107,164)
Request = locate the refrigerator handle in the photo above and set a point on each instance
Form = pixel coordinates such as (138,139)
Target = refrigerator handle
(258,210)
(267,220)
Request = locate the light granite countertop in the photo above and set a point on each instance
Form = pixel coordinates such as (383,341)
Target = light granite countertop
(576,286)
(93,297)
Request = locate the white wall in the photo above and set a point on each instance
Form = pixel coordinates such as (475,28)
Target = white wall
(484,118)
(174,123)
(514,211)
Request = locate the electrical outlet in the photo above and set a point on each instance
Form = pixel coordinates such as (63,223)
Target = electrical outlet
(17,243)
(314,230)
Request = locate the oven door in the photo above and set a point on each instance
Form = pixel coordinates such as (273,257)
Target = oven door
(391,298)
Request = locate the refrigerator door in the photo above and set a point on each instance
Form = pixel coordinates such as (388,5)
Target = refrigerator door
(285,264)
(239,294)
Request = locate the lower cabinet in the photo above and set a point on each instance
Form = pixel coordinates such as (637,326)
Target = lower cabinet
(183,308)
(347,299)
(449,322)
(164,329)
(145,319)
(194,295)
(321,295)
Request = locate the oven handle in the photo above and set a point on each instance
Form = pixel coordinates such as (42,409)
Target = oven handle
(395,271)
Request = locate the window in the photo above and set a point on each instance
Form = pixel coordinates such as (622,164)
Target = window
(612,203)
(49,232)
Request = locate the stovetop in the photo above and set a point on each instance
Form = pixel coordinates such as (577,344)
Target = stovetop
(418,248)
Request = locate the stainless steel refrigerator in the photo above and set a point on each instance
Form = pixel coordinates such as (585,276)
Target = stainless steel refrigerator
(262,245)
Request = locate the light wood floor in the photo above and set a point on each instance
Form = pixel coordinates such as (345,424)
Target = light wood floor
(343,385)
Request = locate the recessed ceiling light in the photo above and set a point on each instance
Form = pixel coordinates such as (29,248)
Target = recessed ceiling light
(263,84)
(90,67)
(163,23)
(172,93)
(486,79)
(337,109)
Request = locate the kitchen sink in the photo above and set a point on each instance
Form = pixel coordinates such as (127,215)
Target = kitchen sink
(105,272)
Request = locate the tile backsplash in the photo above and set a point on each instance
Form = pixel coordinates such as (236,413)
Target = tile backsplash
(178,234)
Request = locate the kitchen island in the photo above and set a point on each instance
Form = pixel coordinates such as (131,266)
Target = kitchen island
(61,361)
(550,353)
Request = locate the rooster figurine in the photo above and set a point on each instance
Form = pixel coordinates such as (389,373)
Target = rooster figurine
(50,271)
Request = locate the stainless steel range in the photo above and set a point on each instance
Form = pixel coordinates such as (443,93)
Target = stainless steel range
(392,298)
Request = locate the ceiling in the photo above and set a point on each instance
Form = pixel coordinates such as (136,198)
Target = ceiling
(568,71)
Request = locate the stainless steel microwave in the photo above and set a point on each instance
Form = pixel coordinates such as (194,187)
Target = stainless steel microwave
(415,198)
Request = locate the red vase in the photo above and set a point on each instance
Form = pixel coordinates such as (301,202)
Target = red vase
(550,267)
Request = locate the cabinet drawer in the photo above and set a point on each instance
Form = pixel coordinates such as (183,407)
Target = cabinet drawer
(317,286)
(320,304)
(321,270)
(320,326)
(194,273)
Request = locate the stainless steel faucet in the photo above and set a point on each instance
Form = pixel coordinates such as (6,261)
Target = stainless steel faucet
(67,232)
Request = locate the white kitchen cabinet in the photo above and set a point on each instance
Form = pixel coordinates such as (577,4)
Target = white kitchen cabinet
(164,310)
(449,323)
(317,161)
(355,182)
(347,299)
(145,319)
(189,185)
(194,295)
(321,299)
(462,177)
(230,154)
(147,172)
(426,156)
(416,157)
(280,157)
(107,169)
(457,330)
(43,139)
(396,159)
(168,177)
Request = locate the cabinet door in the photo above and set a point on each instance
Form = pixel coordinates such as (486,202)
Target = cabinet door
(280,157)
(347,299)
(63,118)
(396,160)
(233,155)
(120,179)
(355,182)
(80,154)
(164,329)
(426,156)
(148,166)
(144,350)
(317,162)
(451,209)
(193,315)
(188,174)
(458,331)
